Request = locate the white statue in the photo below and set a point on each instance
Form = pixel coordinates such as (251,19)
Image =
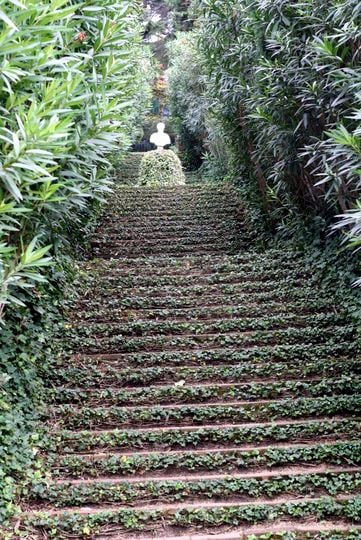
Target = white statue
(160,139)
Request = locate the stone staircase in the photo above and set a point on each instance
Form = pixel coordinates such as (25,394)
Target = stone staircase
(128,171)
(206,390)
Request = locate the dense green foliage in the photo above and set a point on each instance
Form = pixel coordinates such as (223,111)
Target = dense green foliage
(282,80)
(161,169)
(179,14)
(72,89)
(187,98)
(74,84)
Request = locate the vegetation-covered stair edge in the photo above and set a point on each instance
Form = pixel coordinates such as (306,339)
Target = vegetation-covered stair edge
(204,388)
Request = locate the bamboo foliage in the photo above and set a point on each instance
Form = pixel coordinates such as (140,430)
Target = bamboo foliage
(74,82)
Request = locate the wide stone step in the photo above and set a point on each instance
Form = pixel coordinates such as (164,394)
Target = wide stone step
(190,223)
(148,242)
(277,530)
(218,412)
(182,393)
(205,437)
(200,490)
(195,343)
(118,249)
(249,257)
(127,521)
(208,313)
(210,188)
(166,230)
(229,460)
(119,255)
(201,201)
(176,203)
(244,324)
(113,375)
(174,216)
(264,356)
(151,303)
(115,280)
(250,285)
(246,262)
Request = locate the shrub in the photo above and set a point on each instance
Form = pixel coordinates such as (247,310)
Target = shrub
(161,169)
(179,14)
(74,86)
(282,78)
(187,97)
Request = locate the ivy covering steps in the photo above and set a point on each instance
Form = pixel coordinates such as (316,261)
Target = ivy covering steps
(129,170)
(205,390)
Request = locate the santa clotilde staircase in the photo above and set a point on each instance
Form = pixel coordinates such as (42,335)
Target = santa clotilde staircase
(206,390)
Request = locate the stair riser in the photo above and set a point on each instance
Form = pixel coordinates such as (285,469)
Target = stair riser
(234,490)
(119,344)
(88,418)
(203,438)
(228,461)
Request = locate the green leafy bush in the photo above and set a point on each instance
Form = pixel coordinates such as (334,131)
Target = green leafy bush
(281,81)
(187,97)
(25,345)
(73,88)
(161,169)
(179,14)
(74,85)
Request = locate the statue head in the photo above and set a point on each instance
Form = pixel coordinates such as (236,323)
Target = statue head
(160,138)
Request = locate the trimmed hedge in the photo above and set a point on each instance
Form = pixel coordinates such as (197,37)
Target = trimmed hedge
(161,169)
